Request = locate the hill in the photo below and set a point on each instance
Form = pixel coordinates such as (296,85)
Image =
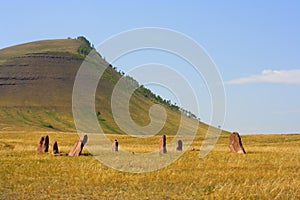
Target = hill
(36,84)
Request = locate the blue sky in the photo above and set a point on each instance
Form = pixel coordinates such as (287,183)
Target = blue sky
(255,45)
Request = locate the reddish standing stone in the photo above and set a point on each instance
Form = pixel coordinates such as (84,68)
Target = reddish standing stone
(43,145)
(46,143)
(40,148)
(78,146)
(162,145)
(235,143)
(115,146)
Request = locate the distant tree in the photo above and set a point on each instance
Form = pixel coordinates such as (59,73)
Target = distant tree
(85,48)
(84,40)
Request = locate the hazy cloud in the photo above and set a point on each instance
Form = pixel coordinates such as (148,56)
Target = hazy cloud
(271,76)
(296,111)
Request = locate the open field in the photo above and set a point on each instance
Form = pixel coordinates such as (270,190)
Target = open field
(269,170)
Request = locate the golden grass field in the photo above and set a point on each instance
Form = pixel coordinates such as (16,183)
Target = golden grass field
(269,170)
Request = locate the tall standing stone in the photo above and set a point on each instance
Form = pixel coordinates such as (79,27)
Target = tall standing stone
(46,143)
(179,145)
(235,143)
(162,145)
(43,145)
(40,148)
(84,139)
(115,146)
(78,146)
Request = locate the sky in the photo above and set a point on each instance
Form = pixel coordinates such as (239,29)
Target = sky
(254,44)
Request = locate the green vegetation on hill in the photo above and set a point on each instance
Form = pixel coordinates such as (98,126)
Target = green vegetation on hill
(85,48)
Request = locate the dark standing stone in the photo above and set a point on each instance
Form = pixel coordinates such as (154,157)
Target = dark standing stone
(41,145)
(162,145)
(179,145)
(115,146)
(235,143)
(84,139)
(55,148)
(78,146)
(46,143)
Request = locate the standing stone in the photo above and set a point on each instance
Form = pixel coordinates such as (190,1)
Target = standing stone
(179,145)
(78,146)
(55,148)
(41,145)
(162,145)
(46,143)
(115,146)
(84,139)
(235,143)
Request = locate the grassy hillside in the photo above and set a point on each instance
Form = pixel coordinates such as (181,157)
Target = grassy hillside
(36,84)
(60,45)
(269,170)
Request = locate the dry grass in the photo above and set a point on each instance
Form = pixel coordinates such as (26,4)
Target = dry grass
(269,170)
(60,45)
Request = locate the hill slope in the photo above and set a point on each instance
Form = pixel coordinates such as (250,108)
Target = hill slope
(36,84)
